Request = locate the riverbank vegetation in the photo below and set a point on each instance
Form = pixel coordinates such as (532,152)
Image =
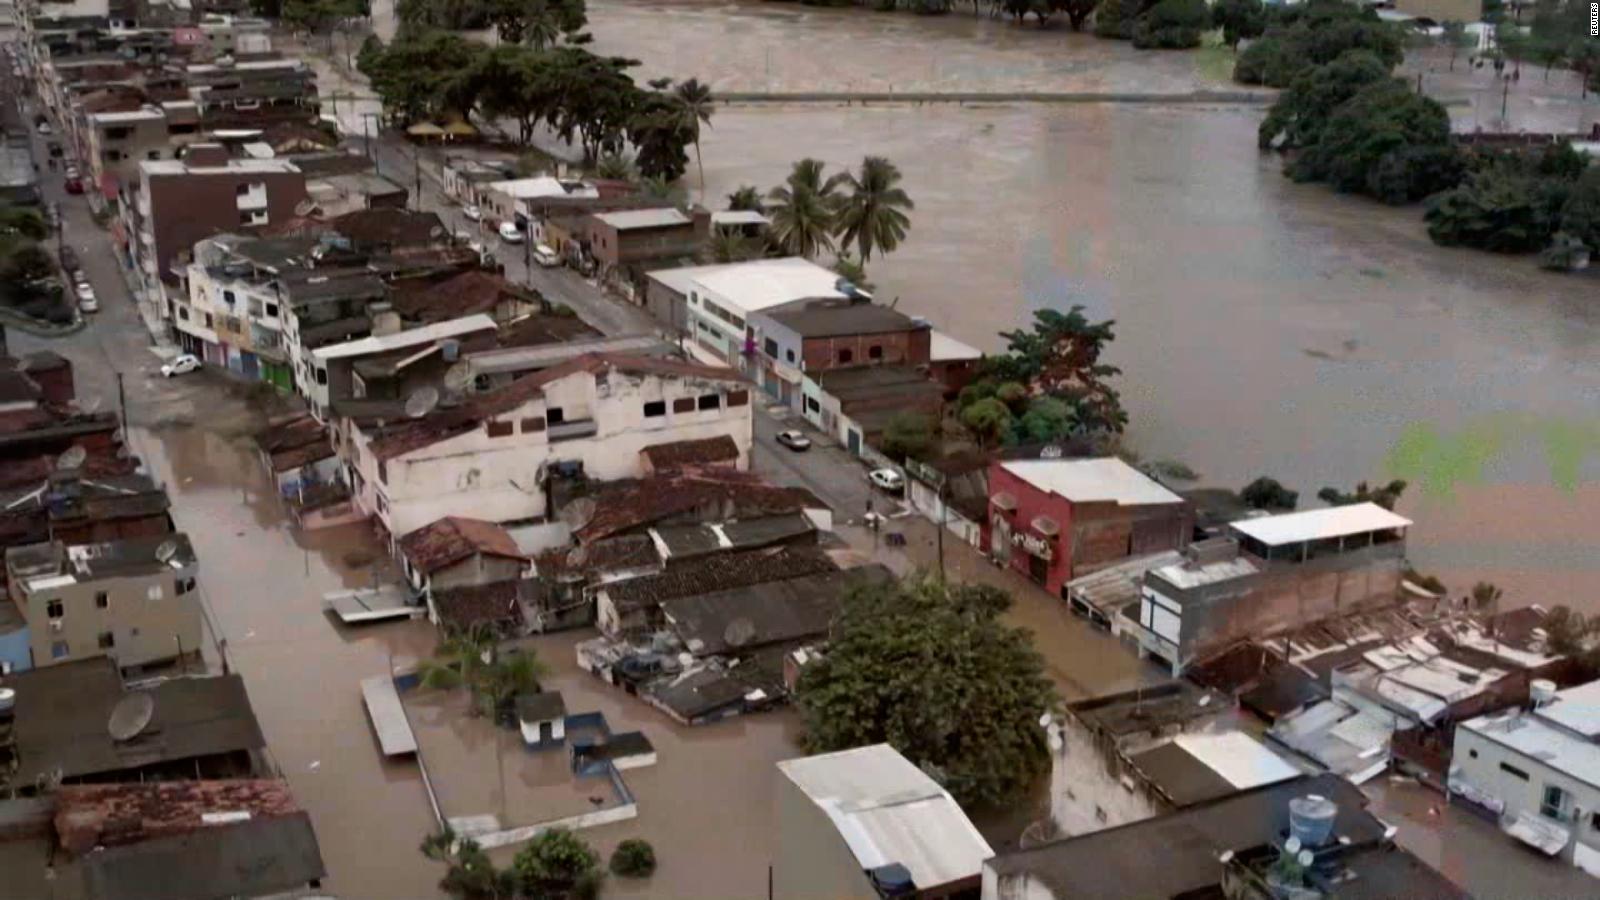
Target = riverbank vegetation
(1345,120)
(930,668)
(28,282)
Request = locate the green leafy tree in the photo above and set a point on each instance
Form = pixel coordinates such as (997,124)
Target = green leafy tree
(1385,496)
(596,100)
(537,23)
(472,659)
(660,137)
(1381,120)
(1515,45)
(1077,11)
(1270,61)
(471,874)
(423,74)
(556,863)
(746,199)
(988,420)
(850,269)
(908,435)
(1172,25)
(1268,493)
(1239,20)
(695,107)
(22,221)
(1312,34)
(1500,210)
(1580,216)
(319,16)
(1117,19)
(873,214)
(1046,419)
(803,211)
(616,167)
(1454,36)
(930,668)
(1061,356)
(1300,113)
(1021,9)
(727,245)
(514,82)
(634,858)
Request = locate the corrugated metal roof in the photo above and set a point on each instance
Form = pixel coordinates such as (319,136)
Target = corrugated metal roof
(944,348)
(889,811)
(1319,524)
(1240,759)
(643,218)
(1542,742)
(1577,709)
(402,339)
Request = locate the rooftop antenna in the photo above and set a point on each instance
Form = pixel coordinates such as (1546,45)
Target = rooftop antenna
(131,716)
(422,401)
(71,458)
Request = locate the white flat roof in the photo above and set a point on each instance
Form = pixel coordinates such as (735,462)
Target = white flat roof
(134,115)
(1319,524)
(643,218)
(1091,480)
(403,339)
(237,164)
(944,348)
(1240,759)
(764,283)
(537,186)
(1541,742)
(1577,709)
(1182,574)
(889,811)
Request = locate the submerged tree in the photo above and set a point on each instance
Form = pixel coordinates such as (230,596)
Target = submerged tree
(930,668)
(1385,496)
(873,215)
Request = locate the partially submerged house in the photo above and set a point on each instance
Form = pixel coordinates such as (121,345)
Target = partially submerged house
(457,552)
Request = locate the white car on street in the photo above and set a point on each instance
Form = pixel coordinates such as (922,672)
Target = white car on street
(86,298)
(886,479)
(794,440)
(44,127)
(546,257)
(181,364)
(510,233)
(472,213)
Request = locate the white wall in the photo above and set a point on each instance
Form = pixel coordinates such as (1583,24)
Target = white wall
(1477,760)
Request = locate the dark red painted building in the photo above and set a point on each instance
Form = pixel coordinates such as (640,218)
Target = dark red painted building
(1056,519)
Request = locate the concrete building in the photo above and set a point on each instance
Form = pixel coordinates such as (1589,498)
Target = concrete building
(855,406)
(1272,572)
(488,456)
(462,175)
(808,338)
(506,200)
(132,600)
(1538,770)
(232,314)
(182,202)
(866,823)
(711,305)
(625,244)
(376,367)
(1143,753)
(460,552)
(1056,519)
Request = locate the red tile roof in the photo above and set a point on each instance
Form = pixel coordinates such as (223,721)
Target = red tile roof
(453,539)
(495,605)
(622,505)
(108,815)
(690,454)
(475,291)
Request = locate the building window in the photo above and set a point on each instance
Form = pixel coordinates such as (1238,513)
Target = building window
(1472,753)
(1513,770)
(54,609)
(208,320)
(153,154)
(383,505)
(58,650)
(738,398)
(498,429)
(532,424)
(322,376)
(555,415)
(113,156)
(771,346)
(708,401)
(183,313)
(272,310)
(846,355)
(118,133)
(101,600)
(228,297)
(788,355)
(1554,805)
(239,190)
(812,405)
(875,352)
(655,408)
(106,640)
(683,405)
(183,586)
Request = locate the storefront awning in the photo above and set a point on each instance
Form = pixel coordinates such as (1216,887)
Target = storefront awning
(1537,832)
(1046,526)
(1004,500)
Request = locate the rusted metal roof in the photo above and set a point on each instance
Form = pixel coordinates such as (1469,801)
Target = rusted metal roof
(685,454)
(725,494)
(453,539)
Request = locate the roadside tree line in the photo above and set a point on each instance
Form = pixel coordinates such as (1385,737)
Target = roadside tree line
(28,282)
(585,99)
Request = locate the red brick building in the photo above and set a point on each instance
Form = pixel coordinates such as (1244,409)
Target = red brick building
(1056,519)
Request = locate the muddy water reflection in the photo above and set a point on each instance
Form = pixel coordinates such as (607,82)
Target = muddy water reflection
(263,585)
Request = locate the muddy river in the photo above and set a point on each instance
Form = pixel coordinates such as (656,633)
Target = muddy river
(1264,327)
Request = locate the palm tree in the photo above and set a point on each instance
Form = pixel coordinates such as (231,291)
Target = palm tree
(694,99)
(471,874)
(616,167)
(459,660)
(727,245)
(873,215)
(803,210)
(851,269)
(746,198)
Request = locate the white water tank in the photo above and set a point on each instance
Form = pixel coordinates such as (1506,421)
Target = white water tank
(8,700)
(1541,691)
(1311,819)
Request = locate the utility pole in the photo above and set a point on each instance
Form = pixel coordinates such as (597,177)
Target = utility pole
(61,233)
(122,405)
(1505,94)
(941,525)
(416,162)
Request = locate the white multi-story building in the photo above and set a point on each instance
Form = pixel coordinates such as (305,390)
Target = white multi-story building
(487,455)
(712,305)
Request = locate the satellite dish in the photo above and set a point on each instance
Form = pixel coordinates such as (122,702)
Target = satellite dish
(305,208)
(421,402)
(166,551)
(578,512)
(739,632)
(131,715)
(91,405)
(72,458)
(458,377)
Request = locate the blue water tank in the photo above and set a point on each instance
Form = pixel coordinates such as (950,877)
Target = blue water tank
(892,880)
(1311,819)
